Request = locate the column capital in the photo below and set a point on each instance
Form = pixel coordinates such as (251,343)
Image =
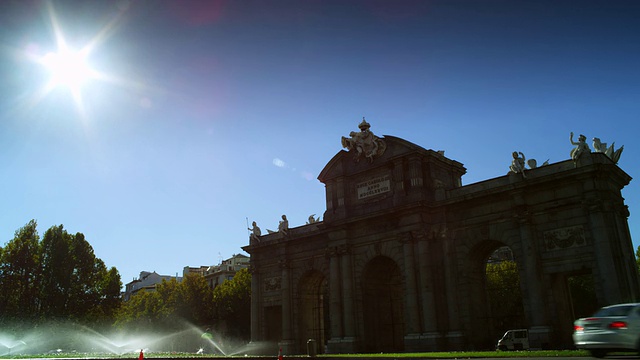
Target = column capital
(253,270)
(624,210)
(522,214)
(405,237)
(343,249)
(331,251)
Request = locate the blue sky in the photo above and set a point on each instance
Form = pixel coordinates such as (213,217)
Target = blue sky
(209,114)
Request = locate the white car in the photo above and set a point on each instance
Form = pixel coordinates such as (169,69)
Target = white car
(612,328)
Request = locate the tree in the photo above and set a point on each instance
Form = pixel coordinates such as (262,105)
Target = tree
(58,278)
(86,276)
(171,306)
(232,304)
(20,272)
(196,298)
(57,271)
(168,294)
(109,285)
(503,285)
(140,313)
(76,284)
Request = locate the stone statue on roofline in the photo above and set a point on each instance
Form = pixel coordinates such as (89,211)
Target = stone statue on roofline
(581,147)
(518,164)
(610,151)
(313,219)
(364,143)
(283,225)
(255,233)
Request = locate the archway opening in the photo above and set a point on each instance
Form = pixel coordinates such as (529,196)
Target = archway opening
(575,297)
(314,311)
(383,306)
(503,288)
(495,288)
(584,301)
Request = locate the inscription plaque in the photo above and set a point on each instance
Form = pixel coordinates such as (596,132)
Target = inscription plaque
(373,187)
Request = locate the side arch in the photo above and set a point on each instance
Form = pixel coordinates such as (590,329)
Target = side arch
(313,310)
(495,287)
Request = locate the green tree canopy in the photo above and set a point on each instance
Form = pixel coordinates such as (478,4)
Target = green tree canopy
(20,275)
(232,304)
(173,305)
(503,285)
(58,278)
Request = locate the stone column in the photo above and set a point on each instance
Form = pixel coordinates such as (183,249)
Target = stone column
(535,297)
(455,338)
(340,196)
(255,304)
(286,300)
(347,291)
(411,305)
(428,305)
(415,172)
(398,180)
(335,295)
(329,195)
(603,250)
(624,239)
(540,331)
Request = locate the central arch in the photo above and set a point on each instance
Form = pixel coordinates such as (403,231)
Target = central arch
(383,306)
(313,322)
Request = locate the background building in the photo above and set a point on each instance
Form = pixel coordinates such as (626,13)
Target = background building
(146,282)
(217,274)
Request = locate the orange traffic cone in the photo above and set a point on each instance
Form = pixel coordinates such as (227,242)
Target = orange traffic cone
(141,357)
(280,354)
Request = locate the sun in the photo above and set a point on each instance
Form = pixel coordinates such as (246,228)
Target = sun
(68,68)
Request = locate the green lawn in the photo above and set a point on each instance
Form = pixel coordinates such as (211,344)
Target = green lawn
(473,354)
(427,355)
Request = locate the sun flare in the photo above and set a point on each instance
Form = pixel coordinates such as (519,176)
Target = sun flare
(68,68)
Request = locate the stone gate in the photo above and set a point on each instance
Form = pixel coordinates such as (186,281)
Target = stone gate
(398,261)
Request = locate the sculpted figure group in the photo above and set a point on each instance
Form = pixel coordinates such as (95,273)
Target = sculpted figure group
(581,148)
(610,151)
(518,163)
(283,228)
(364,143)
(255,233)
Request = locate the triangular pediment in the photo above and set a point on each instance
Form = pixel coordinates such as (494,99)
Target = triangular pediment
(346,163)
(392,173)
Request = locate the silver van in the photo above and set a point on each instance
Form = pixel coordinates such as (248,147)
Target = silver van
(514,340)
